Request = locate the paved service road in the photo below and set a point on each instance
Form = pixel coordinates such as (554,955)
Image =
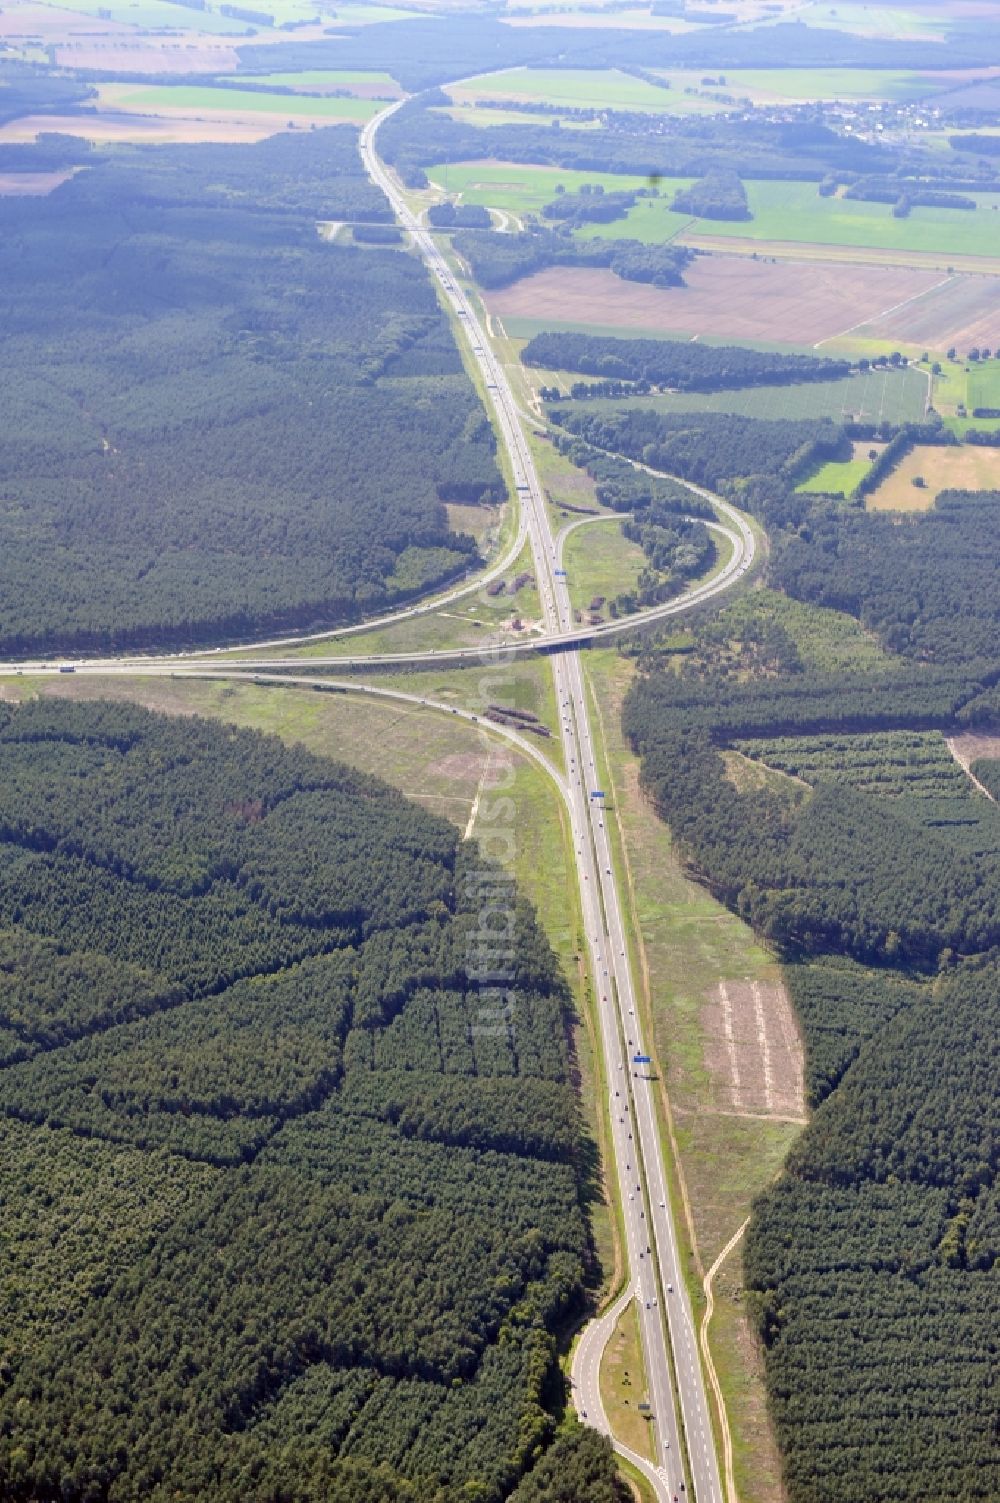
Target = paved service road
(655,1271)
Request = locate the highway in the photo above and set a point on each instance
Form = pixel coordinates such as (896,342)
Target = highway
(655,1272)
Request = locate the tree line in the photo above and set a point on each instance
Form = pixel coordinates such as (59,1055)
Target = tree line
(497,259)
(675,363)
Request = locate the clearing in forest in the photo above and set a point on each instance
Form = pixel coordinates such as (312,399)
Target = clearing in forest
(965,467)
(753,1050)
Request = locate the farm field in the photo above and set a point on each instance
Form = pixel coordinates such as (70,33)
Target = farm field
(30,184)
(483,117)
(894,396)
(106,127)
(150,15)
(771,85)
(793,213)
(880,20)
(731,297)
(983,383)
(318,80)
(524,189)
(965,468)
(841,476)
(169,99)
(960,310)
(158,54)
(582,87)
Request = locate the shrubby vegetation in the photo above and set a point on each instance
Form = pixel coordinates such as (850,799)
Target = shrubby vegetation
(709,448)
(26,89)
(924,583)
(591,205)
(717,195)
(497,259)
(299,1209)
(624,487)
(448,216)
(189,393)
(676,363)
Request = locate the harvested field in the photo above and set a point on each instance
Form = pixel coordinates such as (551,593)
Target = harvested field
(153,55)
(963,311)
(98,127)
(971,746)
(51,23)
(30,184)
(753,1052)
(965,468)
(795,303)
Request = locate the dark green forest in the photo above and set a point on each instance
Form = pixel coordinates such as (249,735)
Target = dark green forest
(873,1265)
(291,1206)
(426,51)
(675,363)
(190,396)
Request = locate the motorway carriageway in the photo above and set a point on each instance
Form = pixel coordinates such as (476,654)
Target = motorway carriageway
(635,1135)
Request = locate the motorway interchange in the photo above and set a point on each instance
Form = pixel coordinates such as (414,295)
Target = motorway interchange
(685,1463)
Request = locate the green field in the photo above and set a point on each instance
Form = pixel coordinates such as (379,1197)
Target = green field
(783,211)
(765,84)
(581,87)
(600,561)
(246,101)
(328,78)
(972,384)
(882,20)
(470,114)
(795,213)
(983,383)
(157,15)
(524,190)
(895,396)
(840,477)
(364,14)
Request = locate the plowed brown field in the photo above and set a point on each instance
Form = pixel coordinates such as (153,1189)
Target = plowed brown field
(786,302)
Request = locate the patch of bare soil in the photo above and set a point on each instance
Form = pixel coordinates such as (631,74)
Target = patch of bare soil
(30,184)
(752,1050)
(794,302)
(141,54)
